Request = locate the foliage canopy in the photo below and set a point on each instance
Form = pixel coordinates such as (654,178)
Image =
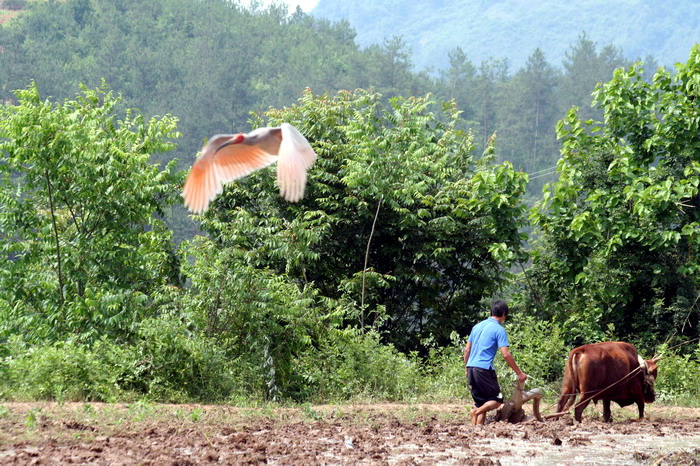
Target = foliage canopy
(405,231)
(396,187)
(619,248)
(81,249)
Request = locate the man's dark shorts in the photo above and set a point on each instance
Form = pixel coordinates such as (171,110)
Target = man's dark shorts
(484,385)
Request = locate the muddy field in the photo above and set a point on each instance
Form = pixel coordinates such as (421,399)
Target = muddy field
(142,433)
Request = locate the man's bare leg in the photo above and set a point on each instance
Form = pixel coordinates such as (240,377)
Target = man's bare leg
(479,414)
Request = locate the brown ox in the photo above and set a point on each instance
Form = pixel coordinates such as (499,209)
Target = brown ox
(608,371)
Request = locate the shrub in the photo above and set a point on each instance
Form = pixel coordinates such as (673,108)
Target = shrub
(171,363)
(63,371)
(538,347)
(356,366)
(677,380)
(444,373)
(168,362)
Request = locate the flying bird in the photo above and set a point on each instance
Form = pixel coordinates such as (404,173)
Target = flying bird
(227,157)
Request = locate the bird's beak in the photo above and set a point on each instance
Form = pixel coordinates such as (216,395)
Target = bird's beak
(237,139)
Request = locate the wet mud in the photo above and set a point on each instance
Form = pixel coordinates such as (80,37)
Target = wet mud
(367,434)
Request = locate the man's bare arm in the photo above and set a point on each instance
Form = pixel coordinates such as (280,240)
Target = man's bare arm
(467,351)
(522,377)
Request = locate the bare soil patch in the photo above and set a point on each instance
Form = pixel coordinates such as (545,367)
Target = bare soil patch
(6,15)
(141,433)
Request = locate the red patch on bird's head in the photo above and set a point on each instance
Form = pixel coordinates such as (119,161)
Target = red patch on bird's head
(220,142)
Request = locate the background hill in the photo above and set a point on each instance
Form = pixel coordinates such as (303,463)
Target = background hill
(512,29)
(175,57)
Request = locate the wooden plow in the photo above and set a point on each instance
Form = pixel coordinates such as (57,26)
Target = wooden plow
(512,410)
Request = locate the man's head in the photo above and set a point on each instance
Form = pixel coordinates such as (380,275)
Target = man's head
(499,309)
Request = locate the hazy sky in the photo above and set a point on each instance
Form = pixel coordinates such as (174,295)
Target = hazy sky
(306,5)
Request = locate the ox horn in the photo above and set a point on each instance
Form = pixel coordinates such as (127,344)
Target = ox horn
(656,359)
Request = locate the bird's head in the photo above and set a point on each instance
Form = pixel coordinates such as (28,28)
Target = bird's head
(220,141)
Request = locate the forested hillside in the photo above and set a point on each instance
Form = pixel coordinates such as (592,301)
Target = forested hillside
(416,214)
(512,29)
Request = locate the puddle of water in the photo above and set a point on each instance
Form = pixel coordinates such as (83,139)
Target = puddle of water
(582,449)
(613,449)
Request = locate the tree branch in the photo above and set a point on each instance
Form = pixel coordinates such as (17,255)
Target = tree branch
(55,233)
(364,270)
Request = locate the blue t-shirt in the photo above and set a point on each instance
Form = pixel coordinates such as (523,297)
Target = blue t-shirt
(486,337)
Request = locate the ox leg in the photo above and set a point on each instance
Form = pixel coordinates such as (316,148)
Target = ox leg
(640,408)
(578,411)
(566,400)
(607,414)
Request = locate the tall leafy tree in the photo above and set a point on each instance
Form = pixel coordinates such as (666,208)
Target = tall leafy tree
(531,113)
(389,69)
(210,63)
(80,246)
(620,228)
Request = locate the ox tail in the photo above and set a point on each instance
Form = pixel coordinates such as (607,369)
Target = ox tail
(570,388)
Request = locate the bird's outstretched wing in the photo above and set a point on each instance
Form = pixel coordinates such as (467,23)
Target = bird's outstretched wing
(223,160)
(228,157)
(296,156)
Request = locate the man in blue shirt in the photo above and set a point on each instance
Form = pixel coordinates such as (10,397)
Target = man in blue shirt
(486,338)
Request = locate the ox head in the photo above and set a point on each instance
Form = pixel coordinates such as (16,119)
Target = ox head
(649,369)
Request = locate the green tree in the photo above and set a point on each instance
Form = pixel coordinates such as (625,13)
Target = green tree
(264,322)
(81,246)
(584,68)
(210,63)
(620,228)
(400,220)
(530,114)
(490,83)
(389,69)
(458,82)
(527,119)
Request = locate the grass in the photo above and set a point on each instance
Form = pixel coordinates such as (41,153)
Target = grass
(107,416)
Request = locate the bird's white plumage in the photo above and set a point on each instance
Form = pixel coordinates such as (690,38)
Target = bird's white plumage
(295,157)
